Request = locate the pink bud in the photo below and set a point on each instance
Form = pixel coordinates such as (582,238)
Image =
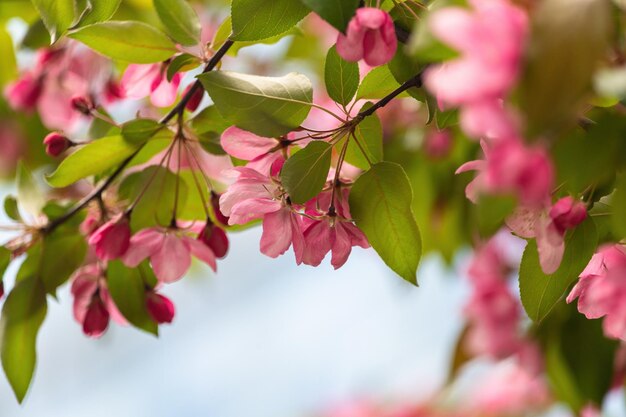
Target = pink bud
(82,105)
(215,203)
(567,213)
(215,238)
(56,144)
(195,100)
(96,319)
(112,239)
(23,94)
(161,308)
(370,36)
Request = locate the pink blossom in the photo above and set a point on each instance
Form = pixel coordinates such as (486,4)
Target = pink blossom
(493,311)
(510,167)
(160,308)
(169,251)
(370,36)
(24,93)
(548,226)
(93,304)
(142,80)
(112,239)
(260,151)
(255,196)
(215,205)
(334,232)
(56,144)
(601,290)
(491,39)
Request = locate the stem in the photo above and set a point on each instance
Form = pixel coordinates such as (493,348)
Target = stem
(416,81)
(215,59)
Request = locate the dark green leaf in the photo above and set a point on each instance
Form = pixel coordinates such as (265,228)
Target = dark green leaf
(541,292)
(380,203)
(62,253)
(336,12)
(22,315)
(369,134)
(11,209)
(182,62)
(128,290)
(180,20)
(267,106)
(37,36)
(341,77)
(304,174)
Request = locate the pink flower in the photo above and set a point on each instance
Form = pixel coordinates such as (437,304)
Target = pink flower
(160,308)
(491,40)
(56,144)
(548,227)
(254,196)
(370,36)
(142,80)
(215,205)
(93,304)
(215,238)
(169,251)
(24,93)
(260,151)
(510,167)
(333,232)
(112,239)
(493,311)
(601,290)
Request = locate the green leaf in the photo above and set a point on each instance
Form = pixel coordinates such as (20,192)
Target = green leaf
(98,11)
(92,159)
(618,202)
(11,208)
(369,134)
(254,20)
(57,15)
(267,106)
(128,290)
(140,130)
(5,260)
(378,83)
(99,127)
(22,315)
(209,120)
(336,12)
(29,196)
(304,174)
(491,212)
(36,36)
(380,203)
(341,77)
(182,62)
(129,41)
(8,69)
(63,251)
(180,20)
(541,292)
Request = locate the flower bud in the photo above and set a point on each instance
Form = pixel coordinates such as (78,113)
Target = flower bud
(82,105)
(195,100)
(24,93)
(215,204)
(112,239)
(160,308)
(56,144)
(96,319)
(215,238)
(567,213)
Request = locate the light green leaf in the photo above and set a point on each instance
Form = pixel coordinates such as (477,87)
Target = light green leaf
(8,69)
(98,11)
(541,292)
(22,315)
(63,251)
(369,134)
(341,77)
(267,106)
(180,20)
(140,130)
(29,196)
(128,291)
(129,41)
(336,12)
(92,159)
(57,15)
(254,20)
(378,83)
(182,62)
(380,203)
(304,174)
